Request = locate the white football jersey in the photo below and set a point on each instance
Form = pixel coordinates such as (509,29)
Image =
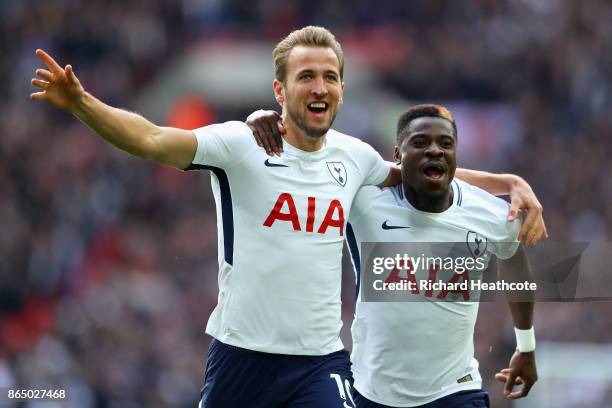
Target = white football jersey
(407,354)
(281,225)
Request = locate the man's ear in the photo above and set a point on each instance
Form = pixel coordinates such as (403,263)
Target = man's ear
(279,92)
(397,156)
(341,101)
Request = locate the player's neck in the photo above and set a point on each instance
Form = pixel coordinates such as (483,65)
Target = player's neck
(298,139)
(434,203)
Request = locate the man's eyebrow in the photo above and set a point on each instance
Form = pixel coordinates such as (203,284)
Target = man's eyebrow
(425,134)
(305,71)
(326,72)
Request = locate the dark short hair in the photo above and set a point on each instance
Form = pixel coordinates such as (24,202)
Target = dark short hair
(421,111)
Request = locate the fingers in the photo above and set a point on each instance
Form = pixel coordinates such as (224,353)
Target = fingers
(510,380)
(527,387)
(520,393)
(528,225)
(256,135)
(536,232)
(38,96)
(261,139)
(49,62)
(70,74)
(503,377)
(281,127)
(44,74)
(514,212)
(265,140)
(40,84)
(278,129)
(533,227)
(276,142)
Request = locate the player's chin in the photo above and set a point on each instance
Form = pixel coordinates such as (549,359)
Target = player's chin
(318,130)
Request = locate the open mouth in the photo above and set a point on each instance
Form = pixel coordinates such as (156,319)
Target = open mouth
(434,171)
(318,107)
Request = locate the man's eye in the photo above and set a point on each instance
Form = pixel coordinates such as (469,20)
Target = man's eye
(306,76)
(418,143)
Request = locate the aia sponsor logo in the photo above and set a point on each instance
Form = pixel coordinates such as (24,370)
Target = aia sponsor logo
(284,210)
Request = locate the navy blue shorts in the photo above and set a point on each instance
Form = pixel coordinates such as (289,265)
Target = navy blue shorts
(236,377)
(462,399)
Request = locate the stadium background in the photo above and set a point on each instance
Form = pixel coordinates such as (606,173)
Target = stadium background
(108,264)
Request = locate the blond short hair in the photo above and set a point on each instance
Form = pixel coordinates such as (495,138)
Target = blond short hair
(312,36)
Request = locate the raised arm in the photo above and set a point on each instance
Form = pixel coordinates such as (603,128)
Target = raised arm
(522,367)
(127,131)
(521,195)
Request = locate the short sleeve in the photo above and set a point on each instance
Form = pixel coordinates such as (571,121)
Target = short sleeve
(376,169)
(223,144)
(364,199)
(507,247)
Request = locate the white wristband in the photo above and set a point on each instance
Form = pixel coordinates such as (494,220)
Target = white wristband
(525,340)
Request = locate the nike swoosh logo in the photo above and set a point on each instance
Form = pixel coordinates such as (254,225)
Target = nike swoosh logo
(269,164)
(386,226)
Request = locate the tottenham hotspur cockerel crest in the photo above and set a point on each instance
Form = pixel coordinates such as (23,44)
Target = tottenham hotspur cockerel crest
(477,244)
(338,172)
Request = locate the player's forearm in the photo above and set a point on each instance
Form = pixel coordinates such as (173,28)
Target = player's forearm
(496,184)
(394,177)
(522,314)
(127,131)
(516,269)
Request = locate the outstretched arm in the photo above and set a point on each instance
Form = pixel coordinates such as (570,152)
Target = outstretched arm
(127,131)
(521,195)
(522,367)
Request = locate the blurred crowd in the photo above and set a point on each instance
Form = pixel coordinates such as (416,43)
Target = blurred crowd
(108,264)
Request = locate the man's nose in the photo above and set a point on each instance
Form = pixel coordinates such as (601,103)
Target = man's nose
(433,150)
(318,87)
